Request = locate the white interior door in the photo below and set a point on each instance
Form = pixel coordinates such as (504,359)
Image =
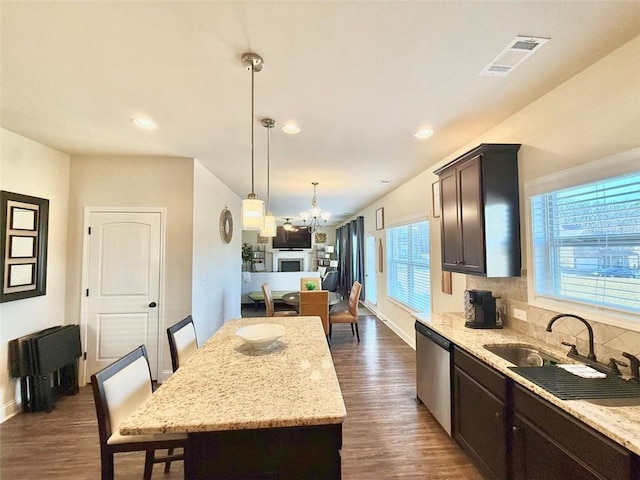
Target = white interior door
(371,282)
(123,286)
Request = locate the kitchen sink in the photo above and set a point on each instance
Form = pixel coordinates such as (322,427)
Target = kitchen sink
(540,368)
(610,391)
(522,355)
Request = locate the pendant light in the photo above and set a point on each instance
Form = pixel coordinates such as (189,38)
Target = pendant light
(252,207)
(269,229)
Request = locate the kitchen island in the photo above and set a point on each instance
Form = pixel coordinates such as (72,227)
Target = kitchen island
(253,413)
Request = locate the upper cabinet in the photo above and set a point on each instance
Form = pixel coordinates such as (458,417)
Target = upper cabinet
(480,214)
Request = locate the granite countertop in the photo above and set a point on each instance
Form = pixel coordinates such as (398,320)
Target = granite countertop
(226,385)
(621,424)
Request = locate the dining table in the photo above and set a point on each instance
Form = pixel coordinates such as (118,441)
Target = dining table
(293,298)
(266,412)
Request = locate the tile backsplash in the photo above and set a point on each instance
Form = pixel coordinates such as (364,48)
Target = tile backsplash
(609,341)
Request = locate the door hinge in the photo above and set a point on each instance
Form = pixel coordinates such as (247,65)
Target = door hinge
(89,230)
(84,357)
(87,292)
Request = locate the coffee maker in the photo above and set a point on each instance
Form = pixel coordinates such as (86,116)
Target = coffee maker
(480,309)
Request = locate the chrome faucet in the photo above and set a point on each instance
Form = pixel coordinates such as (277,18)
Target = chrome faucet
(591,356)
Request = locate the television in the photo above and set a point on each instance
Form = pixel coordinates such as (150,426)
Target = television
(292,239)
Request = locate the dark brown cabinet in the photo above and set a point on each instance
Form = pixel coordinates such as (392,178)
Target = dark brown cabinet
(512,433)
(481,414)
(536,456)
(480,215)
(548,443)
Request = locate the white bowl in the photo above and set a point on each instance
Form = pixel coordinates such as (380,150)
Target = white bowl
(261,335)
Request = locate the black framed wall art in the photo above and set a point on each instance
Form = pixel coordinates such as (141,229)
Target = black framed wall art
(24,224)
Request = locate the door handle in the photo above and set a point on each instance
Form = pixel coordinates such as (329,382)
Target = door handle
(153,305)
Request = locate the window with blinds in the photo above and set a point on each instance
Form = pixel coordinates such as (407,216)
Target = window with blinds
(408,266)
(586,244)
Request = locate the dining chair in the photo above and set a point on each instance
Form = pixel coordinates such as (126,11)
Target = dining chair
(305,281)
(350,315)
(315,303)
(268,303)
(330,281)
(118,390)
(182,341)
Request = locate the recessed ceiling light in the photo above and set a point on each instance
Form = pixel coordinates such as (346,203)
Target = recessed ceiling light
(290,128)
(385,181)
(143,122)
(423,133)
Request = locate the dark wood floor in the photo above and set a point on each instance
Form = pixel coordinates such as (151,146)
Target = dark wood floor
(386,434)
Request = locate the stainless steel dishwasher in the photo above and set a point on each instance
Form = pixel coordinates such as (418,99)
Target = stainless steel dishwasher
(433,373)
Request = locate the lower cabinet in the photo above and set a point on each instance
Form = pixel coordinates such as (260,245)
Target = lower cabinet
(481,414)
(549,443)
(537,456)
(513,434)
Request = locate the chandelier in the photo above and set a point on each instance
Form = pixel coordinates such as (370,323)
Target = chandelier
(314,214)
(252,207)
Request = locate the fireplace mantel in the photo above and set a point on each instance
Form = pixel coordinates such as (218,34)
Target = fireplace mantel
(303,255)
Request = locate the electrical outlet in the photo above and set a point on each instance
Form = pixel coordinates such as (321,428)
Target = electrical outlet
(519,314)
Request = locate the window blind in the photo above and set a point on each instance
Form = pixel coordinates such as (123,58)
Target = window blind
(408,265)
(586,243)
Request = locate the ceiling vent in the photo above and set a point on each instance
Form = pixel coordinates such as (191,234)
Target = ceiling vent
(518,50)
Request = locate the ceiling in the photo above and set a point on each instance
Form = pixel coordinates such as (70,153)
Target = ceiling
(359,78)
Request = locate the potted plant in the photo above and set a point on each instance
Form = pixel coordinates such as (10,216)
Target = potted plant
(310,285)
(246,257)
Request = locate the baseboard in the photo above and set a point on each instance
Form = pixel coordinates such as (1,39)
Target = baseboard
(397,330)
(10,409)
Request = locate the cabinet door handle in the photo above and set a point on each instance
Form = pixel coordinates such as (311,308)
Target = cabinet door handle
(497,414)
(515,430)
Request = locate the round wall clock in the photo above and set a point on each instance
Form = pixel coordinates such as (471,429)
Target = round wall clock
(226,225)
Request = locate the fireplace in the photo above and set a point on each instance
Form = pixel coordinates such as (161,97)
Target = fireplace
(290,265)
(291,261)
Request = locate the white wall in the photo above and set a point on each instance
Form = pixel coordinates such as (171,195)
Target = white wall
(194,249)
(409,203)
(30,168)
(136,181)
(594,115)
(216,265)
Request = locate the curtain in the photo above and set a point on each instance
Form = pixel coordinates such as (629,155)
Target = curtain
(350,246)
(357,227)
(343,235)
(339,255)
